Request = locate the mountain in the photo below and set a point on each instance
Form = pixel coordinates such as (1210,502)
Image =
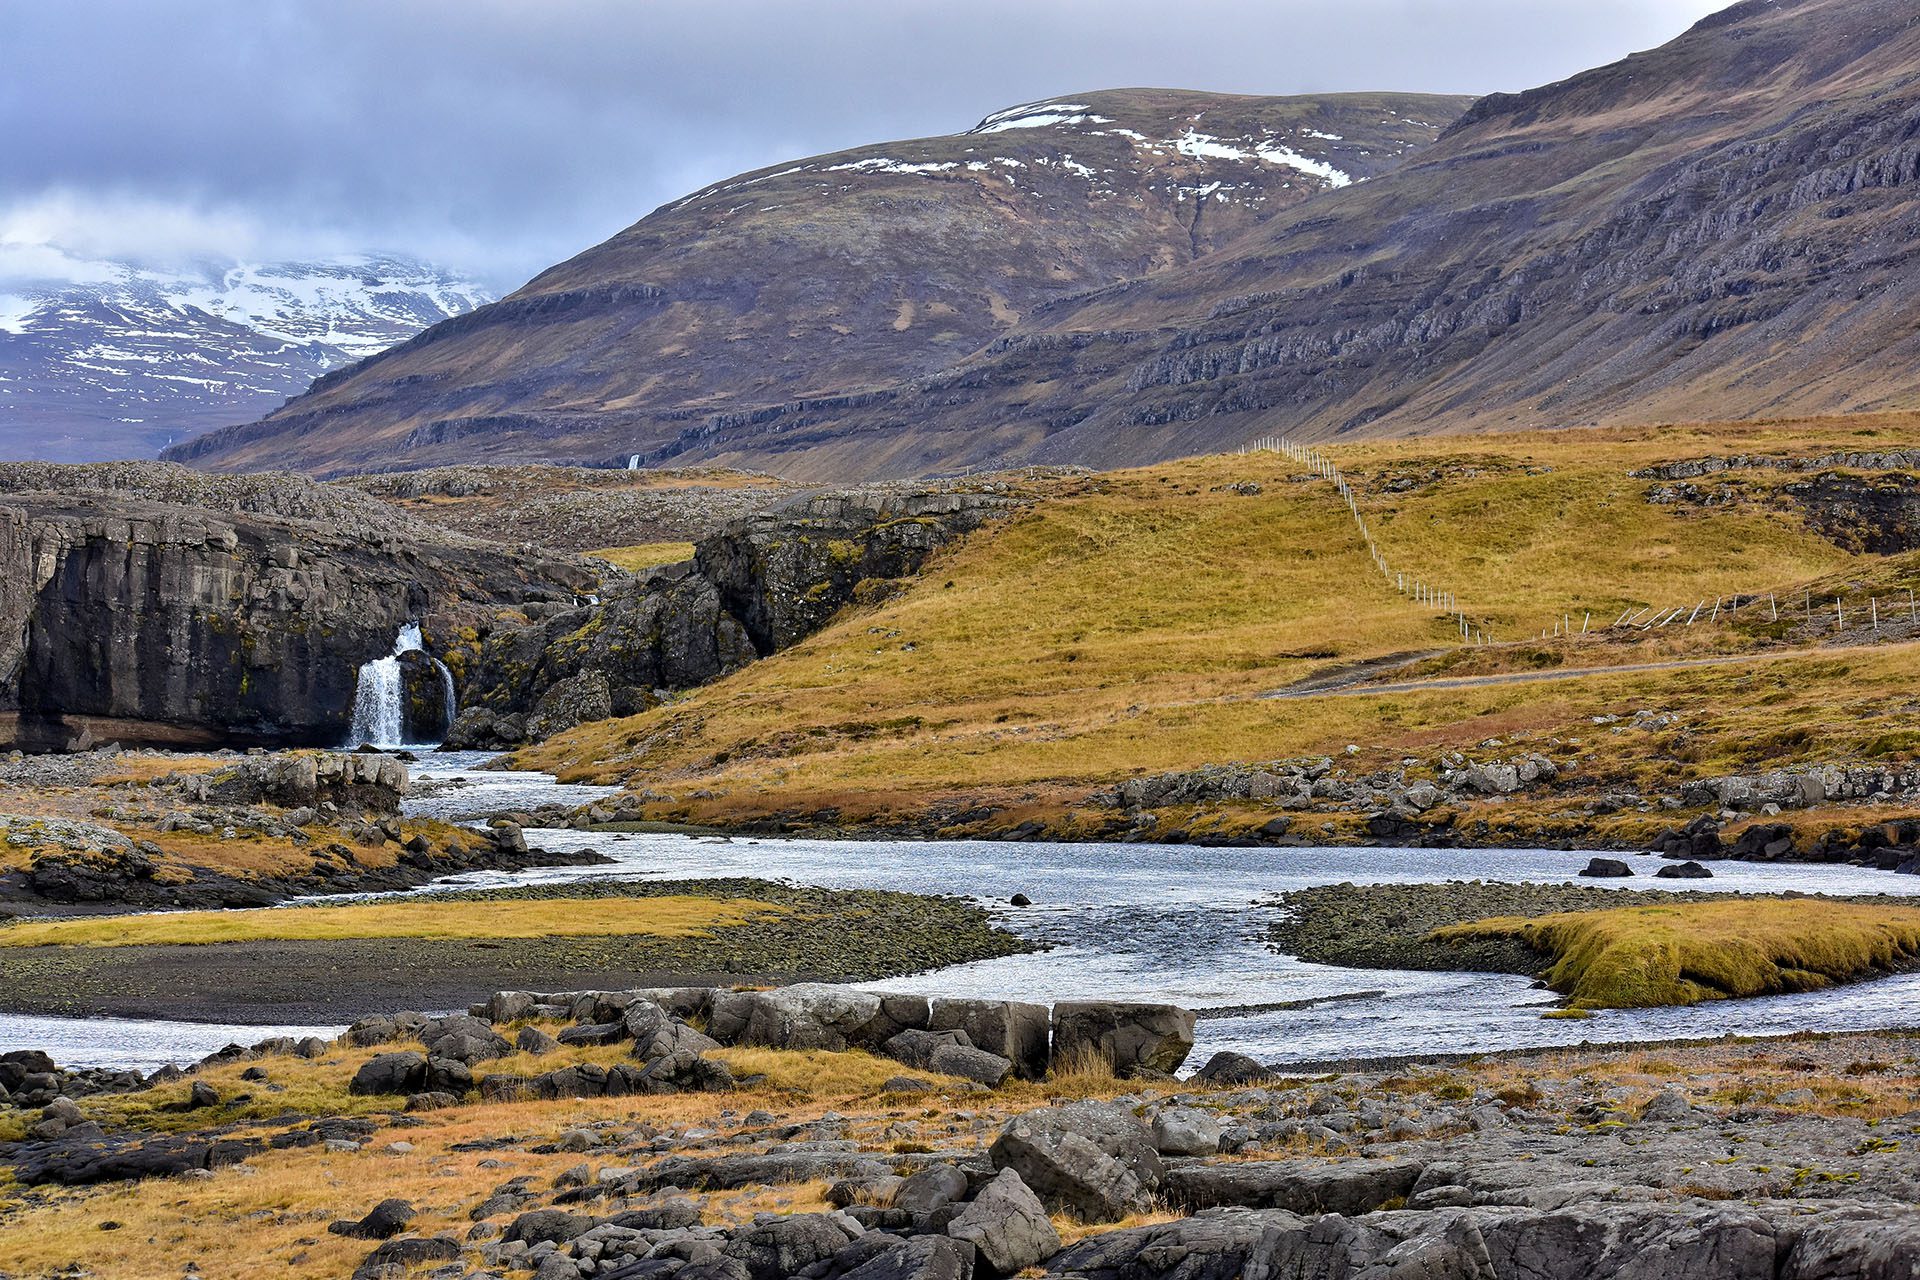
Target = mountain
(833,276)
(134,359)
(1721,227)
(1724,227)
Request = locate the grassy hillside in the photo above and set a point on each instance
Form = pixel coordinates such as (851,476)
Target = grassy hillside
(1130,622)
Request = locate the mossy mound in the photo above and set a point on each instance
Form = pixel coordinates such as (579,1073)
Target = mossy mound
(1683,953)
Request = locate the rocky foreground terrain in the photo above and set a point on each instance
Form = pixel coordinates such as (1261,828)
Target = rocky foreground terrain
(825,1132)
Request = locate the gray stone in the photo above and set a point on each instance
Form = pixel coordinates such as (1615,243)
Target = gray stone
(805,1016)
(1007,1226)
(1014,1030)
(1186,1131)
(933,1187)
(1299,1186)
(1128,1038)
(977,1065)
(777,1249)
(1092,1159)
(401,1073)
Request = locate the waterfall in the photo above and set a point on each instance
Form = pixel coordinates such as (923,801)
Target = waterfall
(633,463)
(379,700)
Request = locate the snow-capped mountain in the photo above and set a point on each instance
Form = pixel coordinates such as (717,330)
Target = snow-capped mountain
(133,359)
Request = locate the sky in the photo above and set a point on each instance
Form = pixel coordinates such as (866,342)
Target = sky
(500,136)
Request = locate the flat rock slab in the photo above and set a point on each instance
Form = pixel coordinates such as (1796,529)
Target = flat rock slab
(1301,1186)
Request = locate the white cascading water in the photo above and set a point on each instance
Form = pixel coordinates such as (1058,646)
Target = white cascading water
(633,462)
(379,700)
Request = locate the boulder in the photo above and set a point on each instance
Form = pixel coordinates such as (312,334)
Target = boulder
(1229,1069)
(921,1258)
(806,1016)
(398,1073)
(1606,868)
(1668,1106)
(977,1065)
(1007,1226)
(1186,1131)
(398,1257)
(656,1033)
(1011,1029)
(916,1048)
(465,1039)
(1688,870)
(780,1247)
(1128,1038)
(1092,1159)
(385,1221)
(535,1041)
(554,1226)
(1299,1186)
(932,1188)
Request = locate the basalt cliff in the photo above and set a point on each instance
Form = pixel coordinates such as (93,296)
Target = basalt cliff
(143,604)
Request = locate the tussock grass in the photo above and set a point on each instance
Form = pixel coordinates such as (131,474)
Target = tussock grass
(1684,953)
(818,1073)
(661,917)
(645,555)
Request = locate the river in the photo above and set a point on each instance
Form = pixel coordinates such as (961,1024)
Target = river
(1176,923)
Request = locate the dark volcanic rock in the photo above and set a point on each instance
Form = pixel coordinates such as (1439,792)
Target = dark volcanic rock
(1606,868)
(133,621)
(755,586)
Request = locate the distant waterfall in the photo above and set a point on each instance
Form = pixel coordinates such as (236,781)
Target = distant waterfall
(633,462)
(379,700)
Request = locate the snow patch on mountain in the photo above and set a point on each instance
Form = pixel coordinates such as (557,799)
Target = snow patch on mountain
(126,358)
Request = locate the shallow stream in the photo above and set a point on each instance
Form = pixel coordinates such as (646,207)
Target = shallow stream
(1175,923)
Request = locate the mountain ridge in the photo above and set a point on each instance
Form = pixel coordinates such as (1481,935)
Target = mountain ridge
(835,274)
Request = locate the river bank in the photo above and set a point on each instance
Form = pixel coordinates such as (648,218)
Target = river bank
(797,934)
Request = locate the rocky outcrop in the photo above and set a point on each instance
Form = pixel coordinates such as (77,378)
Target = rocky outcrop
(758,585)
(783,572)
(123,619)
(1877,513)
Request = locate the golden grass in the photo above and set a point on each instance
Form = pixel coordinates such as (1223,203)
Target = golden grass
(1684,953)
(819,1074)
(663,917)
(645,555)
(1169,602)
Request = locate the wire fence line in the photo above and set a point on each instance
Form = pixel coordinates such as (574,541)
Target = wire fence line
(1871,613)
(1899,607)
(1413,587)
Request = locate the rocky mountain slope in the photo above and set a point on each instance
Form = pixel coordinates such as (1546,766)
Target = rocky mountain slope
(1718,228)
(832,276)
(134,359)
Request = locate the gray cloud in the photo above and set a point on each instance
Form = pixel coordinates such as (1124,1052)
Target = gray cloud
(503,135)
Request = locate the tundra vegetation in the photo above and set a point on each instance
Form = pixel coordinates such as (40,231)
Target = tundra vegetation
(1130,623)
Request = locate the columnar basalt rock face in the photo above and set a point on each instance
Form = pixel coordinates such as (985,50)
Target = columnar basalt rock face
(129,620)
(758,585)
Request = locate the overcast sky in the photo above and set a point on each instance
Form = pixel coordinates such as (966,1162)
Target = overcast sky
(499,136)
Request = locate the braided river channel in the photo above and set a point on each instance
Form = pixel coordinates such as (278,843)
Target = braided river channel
(1181,924)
